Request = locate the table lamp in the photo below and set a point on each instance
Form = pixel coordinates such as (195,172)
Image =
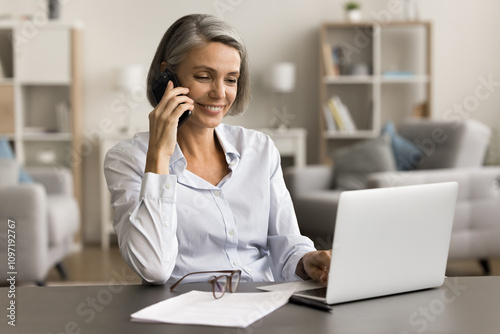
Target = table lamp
(128,80)
(282,82)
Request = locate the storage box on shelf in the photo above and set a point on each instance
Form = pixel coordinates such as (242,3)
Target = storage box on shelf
(379,72)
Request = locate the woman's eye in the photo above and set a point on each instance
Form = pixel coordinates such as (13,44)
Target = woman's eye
(232,81)
(203,78)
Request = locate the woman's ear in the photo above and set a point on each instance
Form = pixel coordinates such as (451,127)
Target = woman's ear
(163,66)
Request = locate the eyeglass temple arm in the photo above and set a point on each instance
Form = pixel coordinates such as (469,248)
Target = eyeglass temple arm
(180,280)
(198,272)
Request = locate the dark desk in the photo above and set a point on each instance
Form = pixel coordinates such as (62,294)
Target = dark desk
(463,305)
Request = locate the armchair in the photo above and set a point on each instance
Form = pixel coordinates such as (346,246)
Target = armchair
(453,152)
(46,217)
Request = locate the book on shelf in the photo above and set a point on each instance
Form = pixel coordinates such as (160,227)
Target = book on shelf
(336,115)
(328,60)
(341,115)
(331,126)
(345,114)
(332,59)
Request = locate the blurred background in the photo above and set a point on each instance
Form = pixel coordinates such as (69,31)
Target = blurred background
(117,39)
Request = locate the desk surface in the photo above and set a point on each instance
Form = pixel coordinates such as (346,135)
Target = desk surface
(461,305)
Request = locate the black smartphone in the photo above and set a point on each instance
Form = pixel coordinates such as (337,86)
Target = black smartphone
(158,89)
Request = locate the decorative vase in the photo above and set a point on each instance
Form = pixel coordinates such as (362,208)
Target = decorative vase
(54,7)
(354,15)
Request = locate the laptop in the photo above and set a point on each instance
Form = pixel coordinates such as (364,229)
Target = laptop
(386,241)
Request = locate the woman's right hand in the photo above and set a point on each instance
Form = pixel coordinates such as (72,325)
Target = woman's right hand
(163,122)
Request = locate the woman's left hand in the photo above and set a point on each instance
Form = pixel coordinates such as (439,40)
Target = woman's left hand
(315,265)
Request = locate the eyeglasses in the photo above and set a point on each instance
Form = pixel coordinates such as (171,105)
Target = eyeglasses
(219,283)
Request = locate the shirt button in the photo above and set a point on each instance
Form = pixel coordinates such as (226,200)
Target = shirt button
(231,232)
(167,224)
(250,270)
(168,186)
(236,263)
(217,193)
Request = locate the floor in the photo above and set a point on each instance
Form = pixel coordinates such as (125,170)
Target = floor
(95,266)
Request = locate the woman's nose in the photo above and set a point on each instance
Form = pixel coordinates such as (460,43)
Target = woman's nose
(218,90)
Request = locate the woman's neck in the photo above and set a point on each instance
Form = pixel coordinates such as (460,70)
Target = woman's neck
(199,145)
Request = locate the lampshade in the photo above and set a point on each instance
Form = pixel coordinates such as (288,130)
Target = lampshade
(128,77)
(283,77)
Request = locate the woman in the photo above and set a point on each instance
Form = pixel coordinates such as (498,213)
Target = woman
(205,196)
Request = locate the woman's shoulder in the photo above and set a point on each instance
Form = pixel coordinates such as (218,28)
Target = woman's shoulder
(138,142)
(134,148)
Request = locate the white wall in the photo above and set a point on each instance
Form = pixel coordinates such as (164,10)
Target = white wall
(119,32)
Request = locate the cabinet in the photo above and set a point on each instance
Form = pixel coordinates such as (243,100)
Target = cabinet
(381,72)
(290,143)
(40,94)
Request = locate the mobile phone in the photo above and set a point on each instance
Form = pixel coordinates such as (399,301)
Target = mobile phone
(158,89)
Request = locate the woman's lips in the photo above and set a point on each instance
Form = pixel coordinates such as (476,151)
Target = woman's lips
(213,109)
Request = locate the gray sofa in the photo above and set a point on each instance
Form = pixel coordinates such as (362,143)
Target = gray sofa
(46,218)
(476,230)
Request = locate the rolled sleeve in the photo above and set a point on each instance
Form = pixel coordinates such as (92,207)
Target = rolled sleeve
(145,218)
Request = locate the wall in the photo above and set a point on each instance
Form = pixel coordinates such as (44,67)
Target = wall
(119,33)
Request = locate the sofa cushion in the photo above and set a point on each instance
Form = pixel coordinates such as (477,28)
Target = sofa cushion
(406,154)
(7,153)
(9,172)
(354,162)
(447,144)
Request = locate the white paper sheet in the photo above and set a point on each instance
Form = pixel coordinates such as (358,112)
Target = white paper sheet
(201,308)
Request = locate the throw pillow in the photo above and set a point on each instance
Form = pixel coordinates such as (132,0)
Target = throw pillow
(7,153)
(353,163)
(406,154)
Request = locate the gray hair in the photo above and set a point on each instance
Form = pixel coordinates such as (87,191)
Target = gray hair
(193,31)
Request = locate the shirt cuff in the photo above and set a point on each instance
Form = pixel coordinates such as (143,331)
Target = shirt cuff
(159,186)
(293,262)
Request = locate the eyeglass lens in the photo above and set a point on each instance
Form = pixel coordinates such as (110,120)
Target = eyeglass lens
(219,285)
(235,280)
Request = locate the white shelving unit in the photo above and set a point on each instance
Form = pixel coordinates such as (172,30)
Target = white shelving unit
(41,94)
(398,58)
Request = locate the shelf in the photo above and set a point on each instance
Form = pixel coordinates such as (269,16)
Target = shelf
(9,136)
(6,81)
(41,94)
(423,78)
(349,79)
(370,79)
(369,24)
(47,83)
(379,73)
(48,136)
(57,24)
(362,134)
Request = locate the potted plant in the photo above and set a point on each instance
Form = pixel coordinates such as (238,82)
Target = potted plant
(353,11)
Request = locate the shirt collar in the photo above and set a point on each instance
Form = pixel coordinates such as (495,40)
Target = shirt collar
(232,154)
(178,162)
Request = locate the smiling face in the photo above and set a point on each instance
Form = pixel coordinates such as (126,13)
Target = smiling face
(211,73)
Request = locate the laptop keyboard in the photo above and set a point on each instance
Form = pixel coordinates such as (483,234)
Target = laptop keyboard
(317,292)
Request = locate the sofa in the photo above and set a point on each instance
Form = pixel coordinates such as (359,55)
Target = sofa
(447,151)
(44,217)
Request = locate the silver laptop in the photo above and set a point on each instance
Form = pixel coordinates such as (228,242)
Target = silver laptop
(387,241)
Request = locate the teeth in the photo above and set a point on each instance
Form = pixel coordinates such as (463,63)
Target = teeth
(211,108)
